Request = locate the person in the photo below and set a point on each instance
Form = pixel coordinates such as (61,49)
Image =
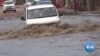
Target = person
(75,6)
(80,7)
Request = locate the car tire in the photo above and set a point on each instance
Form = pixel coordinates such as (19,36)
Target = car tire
(4,11)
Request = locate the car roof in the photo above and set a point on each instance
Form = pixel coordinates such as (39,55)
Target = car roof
(40,6)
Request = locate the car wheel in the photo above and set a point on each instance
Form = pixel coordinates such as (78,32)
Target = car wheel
(4,11)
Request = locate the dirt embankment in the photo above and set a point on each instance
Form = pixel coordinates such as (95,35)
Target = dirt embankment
(47,30)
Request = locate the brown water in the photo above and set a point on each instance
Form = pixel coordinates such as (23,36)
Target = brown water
(72,34)
(49,30)
(60,45)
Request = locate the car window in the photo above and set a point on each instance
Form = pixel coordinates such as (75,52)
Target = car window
(41,13)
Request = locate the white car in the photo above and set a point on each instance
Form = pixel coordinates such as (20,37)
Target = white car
(9,6)
(41,14)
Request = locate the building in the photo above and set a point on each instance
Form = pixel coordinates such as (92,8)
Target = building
(87,5)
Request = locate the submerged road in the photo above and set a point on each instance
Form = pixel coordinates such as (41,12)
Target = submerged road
(60,45)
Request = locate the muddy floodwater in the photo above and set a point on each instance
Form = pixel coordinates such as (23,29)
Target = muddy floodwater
(67,44)
(61,45)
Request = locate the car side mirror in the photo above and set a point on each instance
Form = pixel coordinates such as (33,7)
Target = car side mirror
(22,18)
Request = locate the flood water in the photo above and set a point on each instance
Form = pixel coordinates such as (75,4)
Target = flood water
(16,23)
(60,45)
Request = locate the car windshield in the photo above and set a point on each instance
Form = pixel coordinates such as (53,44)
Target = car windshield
(41,13)
(8,2)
